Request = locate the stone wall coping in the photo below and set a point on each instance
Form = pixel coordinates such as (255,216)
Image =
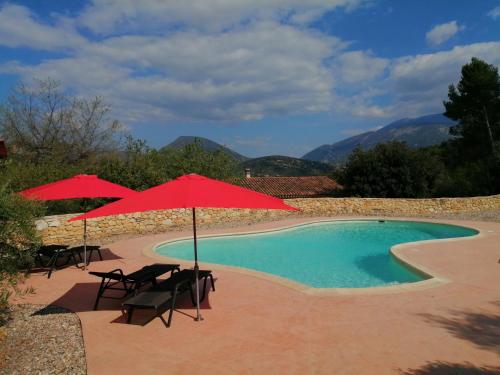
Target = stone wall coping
(57,229)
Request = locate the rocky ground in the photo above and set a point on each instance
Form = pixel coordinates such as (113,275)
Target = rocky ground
(40,340)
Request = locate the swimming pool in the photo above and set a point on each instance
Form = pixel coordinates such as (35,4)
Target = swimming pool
(334,254)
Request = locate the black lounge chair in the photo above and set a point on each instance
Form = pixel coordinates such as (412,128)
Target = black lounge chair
(163,296)
(54,253)
(90,251)
(117,280)
(202,275)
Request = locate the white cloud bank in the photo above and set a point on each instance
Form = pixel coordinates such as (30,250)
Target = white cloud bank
(264,65)
(112,16)
(421,82)
(360,66)
(443,32)
(19,27)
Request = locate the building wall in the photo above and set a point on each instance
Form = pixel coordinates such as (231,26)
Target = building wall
(56,229)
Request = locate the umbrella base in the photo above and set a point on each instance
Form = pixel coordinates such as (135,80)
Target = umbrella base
(198,319)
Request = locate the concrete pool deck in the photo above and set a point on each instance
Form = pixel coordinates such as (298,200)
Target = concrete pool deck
(256,323)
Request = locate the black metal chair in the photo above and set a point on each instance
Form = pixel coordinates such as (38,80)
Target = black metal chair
(202,275)
(54,253)
(90,251)
(132,282)
(163,296)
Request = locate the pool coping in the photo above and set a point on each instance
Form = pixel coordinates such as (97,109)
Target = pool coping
(398,251)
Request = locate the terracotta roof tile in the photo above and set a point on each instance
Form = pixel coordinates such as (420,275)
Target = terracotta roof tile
(291,187)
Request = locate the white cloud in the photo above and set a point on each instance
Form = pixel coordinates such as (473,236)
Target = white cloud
(494,13)
(420,83)
(251,72)
(112,16)
(443,32)
(357,84)
(19,27)
(359,66)
(260,68)
(246,53)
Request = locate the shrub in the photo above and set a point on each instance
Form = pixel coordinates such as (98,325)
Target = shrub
(18,242)
(391,170)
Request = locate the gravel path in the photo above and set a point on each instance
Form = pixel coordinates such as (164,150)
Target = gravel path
(40,340)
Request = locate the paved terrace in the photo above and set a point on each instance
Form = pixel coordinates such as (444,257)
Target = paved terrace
(254,324)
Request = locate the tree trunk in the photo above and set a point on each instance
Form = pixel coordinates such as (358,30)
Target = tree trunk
(488,127)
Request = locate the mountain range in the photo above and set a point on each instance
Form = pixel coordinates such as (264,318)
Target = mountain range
(416,132)
(276,165)
(205,144)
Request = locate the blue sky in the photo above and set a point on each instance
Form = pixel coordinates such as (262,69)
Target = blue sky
(263,77)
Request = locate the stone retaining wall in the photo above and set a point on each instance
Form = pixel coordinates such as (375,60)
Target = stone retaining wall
(56,229)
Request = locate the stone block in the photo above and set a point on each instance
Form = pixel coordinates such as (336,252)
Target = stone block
(41,225)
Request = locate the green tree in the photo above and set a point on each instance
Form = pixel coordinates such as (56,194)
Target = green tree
(390,170)
(141,167)
(193,159)
(137,167)
(40,122)
(475,104)
(474,154)
(22,174)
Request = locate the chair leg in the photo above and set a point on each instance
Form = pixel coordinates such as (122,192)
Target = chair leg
(130,311)
(72,256)
(205,286)
(172,308)
(99,252)
(191,293)
(204,289)
(52,263)
(212,281)
(136,286)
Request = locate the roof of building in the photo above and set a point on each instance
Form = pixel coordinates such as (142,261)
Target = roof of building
(3,149)
(291,187)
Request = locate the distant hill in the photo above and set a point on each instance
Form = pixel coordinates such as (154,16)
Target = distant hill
(416,132)
(285,166)
(205,144)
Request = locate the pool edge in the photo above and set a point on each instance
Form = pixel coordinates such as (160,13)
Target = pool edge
(434,279)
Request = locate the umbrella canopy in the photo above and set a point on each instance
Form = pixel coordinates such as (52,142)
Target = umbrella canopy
(190,191)
(79,186)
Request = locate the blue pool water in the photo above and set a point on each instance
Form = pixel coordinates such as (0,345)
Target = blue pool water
(337,254)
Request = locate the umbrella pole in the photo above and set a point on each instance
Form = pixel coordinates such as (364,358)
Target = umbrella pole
(84,244)
(196,269)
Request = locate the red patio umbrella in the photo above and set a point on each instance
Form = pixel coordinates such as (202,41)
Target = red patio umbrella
(189,191)
(79,186)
